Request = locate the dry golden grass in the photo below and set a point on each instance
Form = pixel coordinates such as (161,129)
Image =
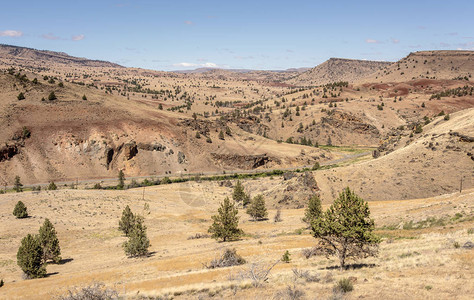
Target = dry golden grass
(410,261)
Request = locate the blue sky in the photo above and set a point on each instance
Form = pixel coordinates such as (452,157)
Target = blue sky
(172,35)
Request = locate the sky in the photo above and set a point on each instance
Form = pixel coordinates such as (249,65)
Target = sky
(265,35)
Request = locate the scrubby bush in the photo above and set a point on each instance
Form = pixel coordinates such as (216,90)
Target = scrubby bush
(228,258)
(344,285)
(96,291)
(21,96)
(286,257)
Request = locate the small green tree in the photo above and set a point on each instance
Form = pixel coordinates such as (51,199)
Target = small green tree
(121,180)
(257,209)
(30,257)
(20,210)
(316,166)
(21,96)
(138,242)
(225,223)
(313,211)
(346,229)
(49,242)
(52,186)
(127,221)
(84,97)
(221,135)
(239,193)
(17,185)
(52,96)
(286,257)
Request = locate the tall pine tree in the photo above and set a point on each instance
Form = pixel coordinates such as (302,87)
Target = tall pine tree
(225,223)
(346,229)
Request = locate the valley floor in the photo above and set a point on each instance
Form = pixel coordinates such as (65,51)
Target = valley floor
(421,256)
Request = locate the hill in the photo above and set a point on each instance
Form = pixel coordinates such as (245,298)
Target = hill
(442,64)
(337,69)
(10,55)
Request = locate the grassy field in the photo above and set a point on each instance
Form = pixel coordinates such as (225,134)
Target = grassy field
(424,259)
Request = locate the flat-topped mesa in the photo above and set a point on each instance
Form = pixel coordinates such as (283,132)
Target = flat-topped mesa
(338,69)
(436,64)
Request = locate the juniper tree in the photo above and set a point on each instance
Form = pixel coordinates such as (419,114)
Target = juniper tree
(138,242)
(52,96)
(313,211)
(52,186)
(49,242)
(21,96)
(346,229)
(239,192)
(18,186)
(30,257)
(225,223)
(121,180)
(127,221)
(84,97)
(257,209)
(221,135)
(20,210)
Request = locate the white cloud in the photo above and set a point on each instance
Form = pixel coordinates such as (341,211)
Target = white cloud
(79,37)
(371,41)
(50,36)
(11,33)
(193,65)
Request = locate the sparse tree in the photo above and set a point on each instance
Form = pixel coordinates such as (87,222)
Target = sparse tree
(84,97)
(221,135)
(21,96)
(52,186)
(239,193)
(286,257)
(49,242)
(35,80)
(20,210)
(257,209)
(52,96)
(313,211)
(225,223)
(127,221)
(346,229)
(121,180)
(138,242)
(30,257)
(17,185)
(160,106)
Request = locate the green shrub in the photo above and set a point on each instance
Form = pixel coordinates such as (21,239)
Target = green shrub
(344,285)
(21,96)
(20,210)
(138,242)
(52,186)
(52,96)
(286,257)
